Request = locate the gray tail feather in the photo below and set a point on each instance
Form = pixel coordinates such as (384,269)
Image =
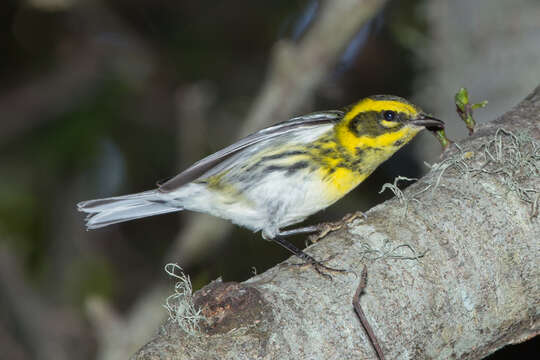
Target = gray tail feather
(103,212)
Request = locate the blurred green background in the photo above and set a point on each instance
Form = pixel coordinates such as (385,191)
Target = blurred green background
(101,98)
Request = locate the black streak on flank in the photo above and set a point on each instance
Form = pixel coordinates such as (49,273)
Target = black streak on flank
(282,155)
(297,166)
(290,170)
(328,152)
(275,157)
(359,151)
(398,143)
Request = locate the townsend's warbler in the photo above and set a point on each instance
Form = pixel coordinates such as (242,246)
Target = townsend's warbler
(280,175)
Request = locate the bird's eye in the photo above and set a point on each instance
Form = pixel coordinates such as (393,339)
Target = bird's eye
(389,115)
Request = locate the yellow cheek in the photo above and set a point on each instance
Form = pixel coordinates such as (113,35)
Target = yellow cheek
(351,142)
(405,134)
(389,124)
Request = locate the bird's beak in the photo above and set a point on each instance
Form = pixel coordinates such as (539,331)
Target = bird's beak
(428,122)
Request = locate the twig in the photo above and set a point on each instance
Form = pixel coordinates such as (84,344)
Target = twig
(362,316)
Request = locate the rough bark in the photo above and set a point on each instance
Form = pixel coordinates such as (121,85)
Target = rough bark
(473,217)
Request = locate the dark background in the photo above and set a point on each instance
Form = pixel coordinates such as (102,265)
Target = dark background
(104,98)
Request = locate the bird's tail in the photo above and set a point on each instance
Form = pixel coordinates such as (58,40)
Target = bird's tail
(103,212)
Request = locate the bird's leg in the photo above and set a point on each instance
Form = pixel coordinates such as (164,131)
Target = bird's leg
(302,230)
(308,260)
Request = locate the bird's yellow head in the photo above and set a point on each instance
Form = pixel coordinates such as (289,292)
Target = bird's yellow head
(382,122)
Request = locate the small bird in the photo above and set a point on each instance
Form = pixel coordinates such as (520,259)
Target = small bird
(280,175)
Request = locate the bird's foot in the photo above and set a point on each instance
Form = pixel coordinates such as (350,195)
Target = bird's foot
(319,266)
(327,227)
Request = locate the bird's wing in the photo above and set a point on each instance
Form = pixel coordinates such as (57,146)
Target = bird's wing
(206,164)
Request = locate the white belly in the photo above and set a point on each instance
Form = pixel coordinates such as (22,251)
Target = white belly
(273,203)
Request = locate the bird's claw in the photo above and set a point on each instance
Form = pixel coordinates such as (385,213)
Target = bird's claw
(319,267)
(328,227)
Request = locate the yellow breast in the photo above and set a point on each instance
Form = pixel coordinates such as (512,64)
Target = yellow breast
(358,158)
(340,182)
